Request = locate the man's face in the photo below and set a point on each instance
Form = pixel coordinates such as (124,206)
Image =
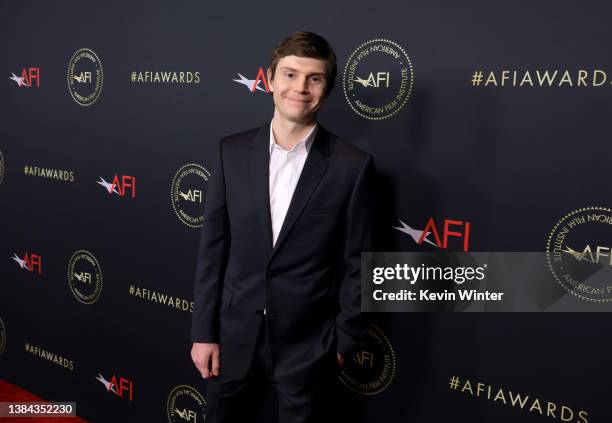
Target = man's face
(298,88)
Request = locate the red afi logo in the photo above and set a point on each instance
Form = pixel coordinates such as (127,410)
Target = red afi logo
(121,185)
(30,262)
(450,229)
(431,225)
(118,387)
(125,386)
(28,76)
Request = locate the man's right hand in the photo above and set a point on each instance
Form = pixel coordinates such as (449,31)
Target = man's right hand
(206,358)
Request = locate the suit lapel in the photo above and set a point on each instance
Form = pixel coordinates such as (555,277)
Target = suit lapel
(259,169)
(314,169)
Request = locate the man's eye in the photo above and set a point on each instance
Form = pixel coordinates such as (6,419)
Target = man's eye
(316,80)
(289,75)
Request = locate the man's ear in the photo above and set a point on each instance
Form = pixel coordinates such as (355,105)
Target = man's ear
(269,76)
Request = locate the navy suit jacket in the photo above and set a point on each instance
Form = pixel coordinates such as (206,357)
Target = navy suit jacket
(309,282)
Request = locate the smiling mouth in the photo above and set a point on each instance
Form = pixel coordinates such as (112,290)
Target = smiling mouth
(298,100)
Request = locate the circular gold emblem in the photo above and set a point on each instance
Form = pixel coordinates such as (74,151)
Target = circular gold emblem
(579,253)
(187,194)
(378,79)
(185,404)
(85,77)
(369,372)
(85,277)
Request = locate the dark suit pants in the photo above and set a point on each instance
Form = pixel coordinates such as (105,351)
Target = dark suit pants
(241,401)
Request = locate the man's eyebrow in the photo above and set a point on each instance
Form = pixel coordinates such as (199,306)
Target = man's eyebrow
(287,68)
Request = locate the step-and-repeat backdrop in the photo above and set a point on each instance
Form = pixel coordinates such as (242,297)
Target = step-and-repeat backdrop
(490,128)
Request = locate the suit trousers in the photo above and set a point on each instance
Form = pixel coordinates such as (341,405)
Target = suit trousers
(241,401)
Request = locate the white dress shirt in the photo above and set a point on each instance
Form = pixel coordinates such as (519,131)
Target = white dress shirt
(285,170)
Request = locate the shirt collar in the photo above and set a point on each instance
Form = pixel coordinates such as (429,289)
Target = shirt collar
(306,141)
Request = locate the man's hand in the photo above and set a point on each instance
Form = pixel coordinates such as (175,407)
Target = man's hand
(206,358)
(340,360)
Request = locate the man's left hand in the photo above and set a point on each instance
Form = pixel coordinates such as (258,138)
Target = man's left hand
(340,360)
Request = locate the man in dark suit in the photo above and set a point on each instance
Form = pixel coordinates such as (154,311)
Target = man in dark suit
(287,214)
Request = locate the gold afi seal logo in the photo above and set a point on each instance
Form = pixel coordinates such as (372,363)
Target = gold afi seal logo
(371,370)
(187,193)
(85,77)
(579,253)
(85,277)
(1,167)
(378,79)
(2,337)
(185,404)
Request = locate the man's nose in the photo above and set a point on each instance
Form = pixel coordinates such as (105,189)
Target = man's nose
(302,84)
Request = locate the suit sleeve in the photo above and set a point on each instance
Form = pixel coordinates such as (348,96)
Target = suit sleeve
(212,257)
(351,324)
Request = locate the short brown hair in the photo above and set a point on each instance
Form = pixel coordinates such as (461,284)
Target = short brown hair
(307,44)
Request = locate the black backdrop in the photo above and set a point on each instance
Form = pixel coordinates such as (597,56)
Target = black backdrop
(510,160)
